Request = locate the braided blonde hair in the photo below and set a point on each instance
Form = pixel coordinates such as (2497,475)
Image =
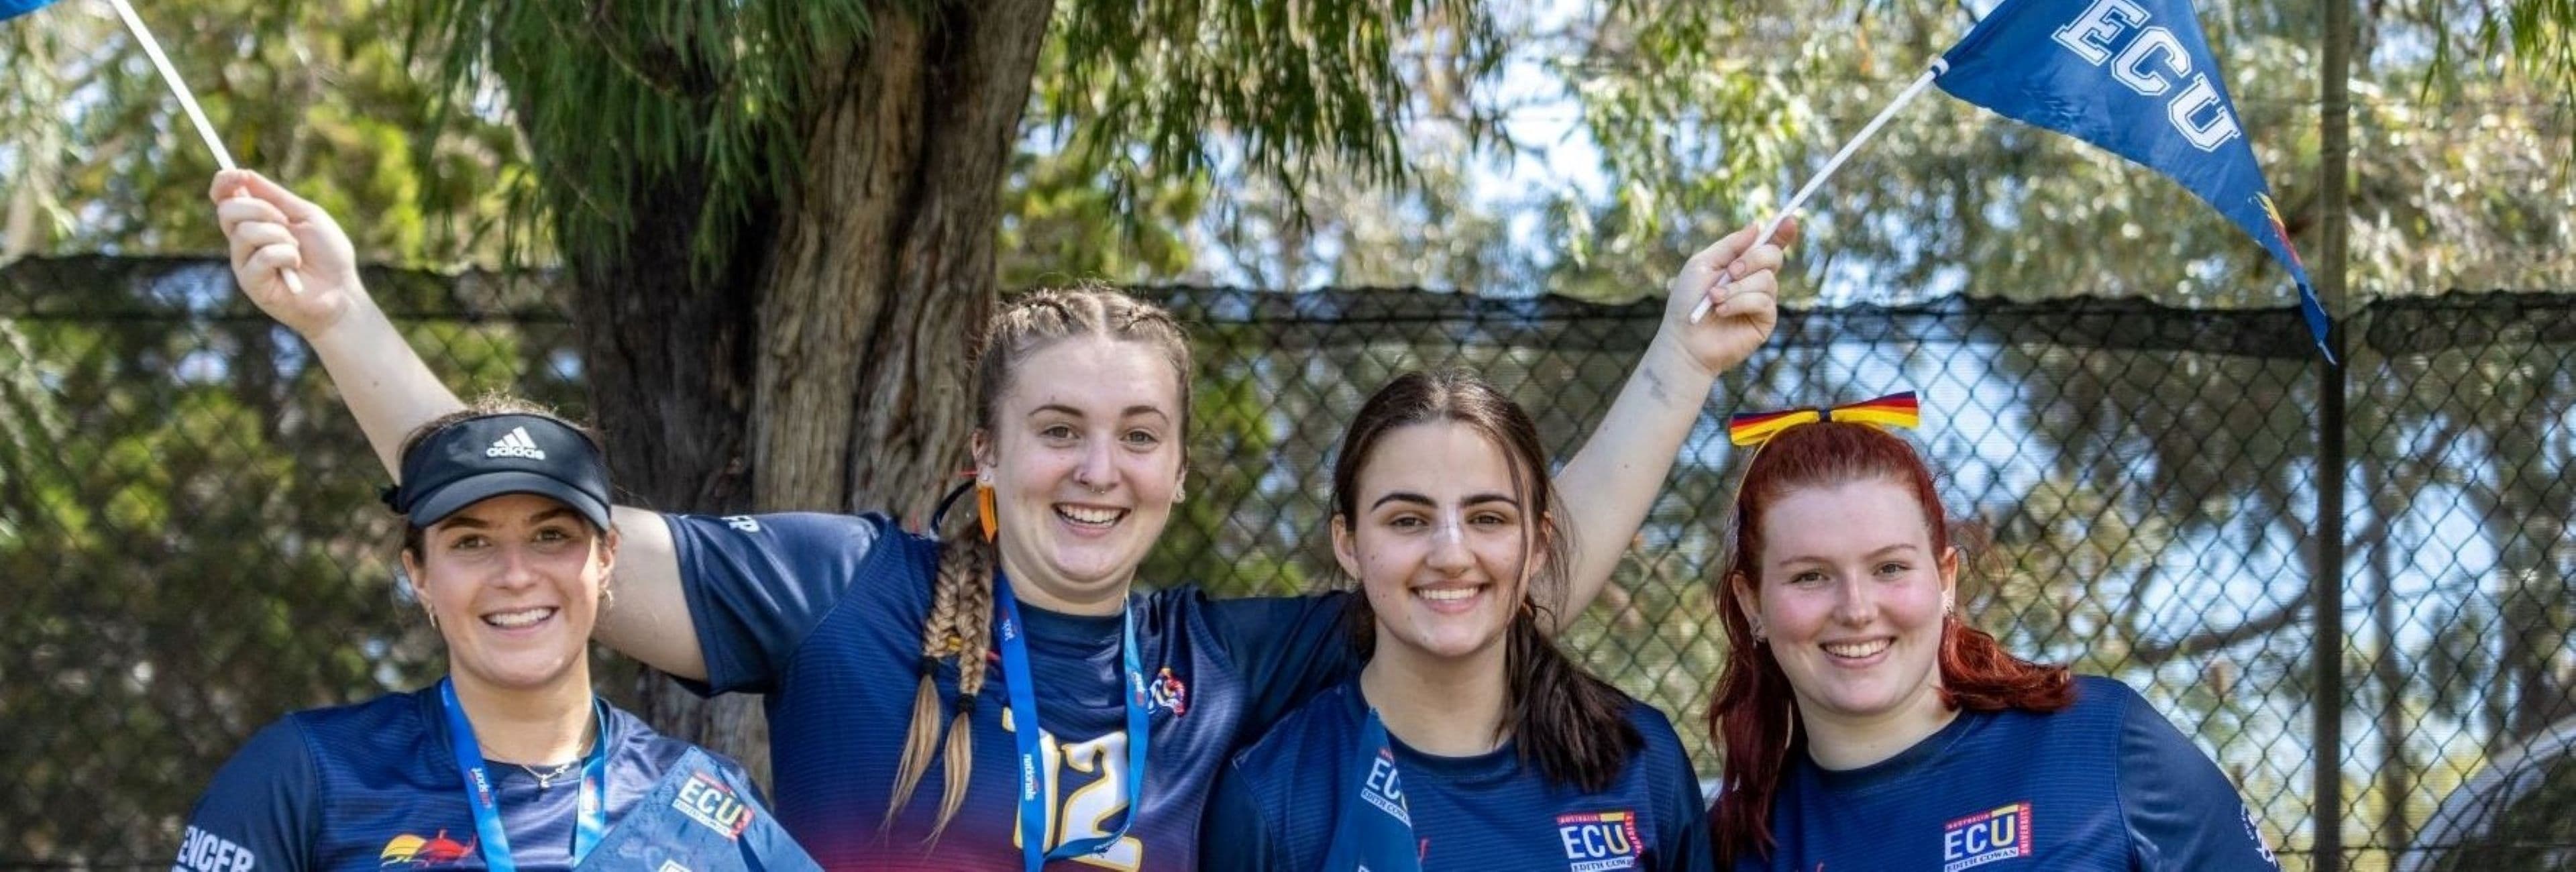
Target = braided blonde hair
(960,625)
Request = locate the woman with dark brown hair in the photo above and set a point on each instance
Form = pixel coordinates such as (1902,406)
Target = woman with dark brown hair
(1011,695)
(1468,741)
(1864,725)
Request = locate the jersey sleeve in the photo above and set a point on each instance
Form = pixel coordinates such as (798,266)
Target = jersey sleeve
(1287,649)
(262,812)
(758,584)
(1232,832)
(2182,812)
(1681,815)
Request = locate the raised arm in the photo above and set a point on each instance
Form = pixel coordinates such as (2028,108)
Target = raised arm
(1609,485)
(391,392)
(271,230)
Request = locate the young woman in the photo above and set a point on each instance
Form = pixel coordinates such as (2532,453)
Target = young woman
(898,669)
(1468,741)
(509,762)
(1865,726)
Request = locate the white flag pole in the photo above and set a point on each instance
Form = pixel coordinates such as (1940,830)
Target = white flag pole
(1938,67)
(187,101)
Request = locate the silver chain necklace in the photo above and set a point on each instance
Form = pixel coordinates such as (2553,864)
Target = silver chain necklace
(546,777)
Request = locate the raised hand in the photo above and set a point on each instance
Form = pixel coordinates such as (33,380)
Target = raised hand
(274,233)
(1740,280)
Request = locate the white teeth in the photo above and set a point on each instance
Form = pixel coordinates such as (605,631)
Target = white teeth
(1448,594)
(1857,649)
(1080,515)
(520,618)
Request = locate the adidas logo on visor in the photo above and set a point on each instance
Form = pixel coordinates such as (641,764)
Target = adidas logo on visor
(516,444)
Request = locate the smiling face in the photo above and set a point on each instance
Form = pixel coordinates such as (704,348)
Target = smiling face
(1851,593)
(1084,456)
(1439,540)
(514,583)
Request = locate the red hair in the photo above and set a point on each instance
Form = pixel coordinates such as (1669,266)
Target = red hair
(1753,718)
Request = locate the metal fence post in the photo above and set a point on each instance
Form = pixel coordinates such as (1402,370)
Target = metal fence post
(2335,141)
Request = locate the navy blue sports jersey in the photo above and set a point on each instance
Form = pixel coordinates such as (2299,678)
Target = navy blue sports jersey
(372,786)
(1277,805)
(2105,784)
(823,613)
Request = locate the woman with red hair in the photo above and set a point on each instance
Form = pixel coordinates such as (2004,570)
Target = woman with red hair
(1865,726)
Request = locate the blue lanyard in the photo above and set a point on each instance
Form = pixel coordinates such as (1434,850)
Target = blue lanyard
(1035,795)
(494,843)
(1376,828)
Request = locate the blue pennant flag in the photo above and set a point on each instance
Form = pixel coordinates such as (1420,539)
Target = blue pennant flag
(14,8)
(2134,77)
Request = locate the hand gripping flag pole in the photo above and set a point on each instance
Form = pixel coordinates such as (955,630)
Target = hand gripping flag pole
(178,87)
(2133,77)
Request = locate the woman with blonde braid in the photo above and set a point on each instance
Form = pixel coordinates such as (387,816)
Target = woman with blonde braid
(1056,716)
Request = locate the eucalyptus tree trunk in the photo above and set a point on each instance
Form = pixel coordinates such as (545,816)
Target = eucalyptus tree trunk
(837,381)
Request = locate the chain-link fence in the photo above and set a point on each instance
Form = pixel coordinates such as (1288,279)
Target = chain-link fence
(190,544)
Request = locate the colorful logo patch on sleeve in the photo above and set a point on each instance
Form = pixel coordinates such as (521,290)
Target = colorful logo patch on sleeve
(1170,693)
(709,802)
(408,851)
(1598,841)
(1986,837)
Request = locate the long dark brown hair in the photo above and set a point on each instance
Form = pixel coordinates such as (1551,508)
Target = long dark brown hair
(1572,725)
(1754,718)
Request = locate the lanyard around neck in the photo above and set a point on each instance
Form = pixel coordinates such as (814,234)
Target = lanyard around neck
(1035,792)
(1376,828)
(592,817)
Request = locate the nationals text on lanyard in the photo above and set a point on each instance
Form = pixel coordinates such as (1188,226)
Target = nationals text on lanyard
(1022,685)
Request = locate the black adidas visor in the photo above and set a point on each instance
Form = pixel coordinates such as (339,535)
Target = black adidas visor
(477,459)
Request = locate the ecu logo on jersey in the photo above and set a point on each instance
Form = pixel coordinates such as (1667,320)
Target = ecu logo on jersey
(1600,841)
(709,802)
(1986,837)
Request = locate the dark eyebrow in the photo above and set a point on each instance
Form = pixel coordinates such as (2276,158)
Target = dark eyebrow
(1415,498)
(1401,497)
(473,523)
(551,514)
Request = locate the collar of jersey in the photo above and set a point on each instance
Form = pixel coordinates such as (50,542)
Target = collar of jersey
(612,733)
(1088,631)
(1498,764)
(1921,757)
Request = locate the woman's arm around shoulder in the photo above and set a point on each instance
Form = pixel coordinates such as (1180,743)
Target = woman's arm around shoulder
(1285,649)
(263,811)
(391,391)
(1233,834)
(1680,813)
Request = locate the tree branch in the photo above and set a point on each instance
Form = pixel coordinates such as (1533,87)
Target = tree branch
(2282,615)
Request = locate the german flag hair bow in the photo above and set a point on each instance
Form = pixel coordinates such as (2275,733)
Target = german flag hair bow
(1893,410)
